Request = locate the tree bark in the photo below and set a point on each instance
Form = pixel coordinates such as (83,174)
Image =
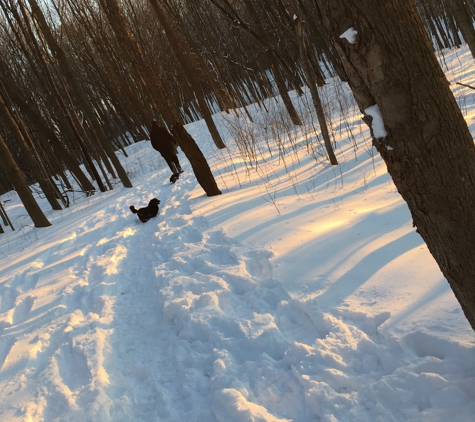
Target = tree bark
(427,147)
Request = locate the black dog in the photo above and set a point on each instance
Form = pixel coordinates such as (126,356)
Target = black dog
(148,212)
(174,177)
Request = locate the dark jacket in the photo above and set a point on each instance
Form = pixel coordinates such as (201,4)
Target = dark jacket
(162,140)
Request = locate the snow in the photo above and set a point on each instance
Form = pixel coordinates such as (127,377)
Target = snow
(350,35)
(302,293)
(379,131)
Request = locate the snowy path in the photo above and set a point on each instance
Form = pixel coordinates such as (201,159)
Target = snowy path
(173,320)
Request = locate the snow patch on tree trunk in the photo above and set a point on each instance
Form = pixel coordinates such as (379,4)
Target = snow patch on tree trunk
(350,35)
(379,131)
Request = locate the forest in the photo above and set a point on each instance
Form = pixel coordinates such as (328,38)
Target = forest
(77,76)
(314,260)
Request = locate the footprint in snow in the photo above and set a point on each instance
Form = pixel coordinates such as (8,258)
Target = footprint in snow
(22,309)
(258,264)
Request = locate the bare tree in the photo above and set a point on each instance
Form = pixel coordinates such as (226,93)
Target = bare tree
(32,160)
(312,85)
(464,21)
(169,114)
(186,66)
(425,142)
(21,186)
(261,36)
(71,78)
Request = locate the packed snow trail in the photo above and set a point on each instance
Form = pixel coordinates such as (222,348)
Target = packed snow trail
(173,320)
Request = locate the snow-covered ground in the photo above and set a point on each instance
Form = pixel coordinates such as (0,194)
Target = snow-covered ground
(302,293)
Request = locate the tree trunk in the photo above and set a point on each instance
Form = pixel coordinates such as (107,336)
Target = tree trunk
(277,65)
(78,130)
(5,219)
(317,103)
(21,186)
(440,26)
(426,144)
(134,54)
(177,49)
(198,162)
(32,160)
(280,82)
(62,154)
(464,22)
(450,23)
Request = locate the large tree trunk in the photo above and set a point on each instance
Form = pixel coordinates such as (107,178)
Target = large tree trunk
(427,146)
(21,186)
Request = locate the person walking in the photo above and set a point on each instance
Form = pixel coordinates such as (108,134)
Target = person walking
(164,143)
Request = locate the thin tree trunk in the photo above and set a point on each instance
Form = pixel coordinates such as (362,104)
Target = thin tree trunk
(272,54)
(442,32)
(32,162)
(464,22)
(317,103)
(54,94)
(430,22)
(59,150)
(39,163)
(5,219)
(21,186)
